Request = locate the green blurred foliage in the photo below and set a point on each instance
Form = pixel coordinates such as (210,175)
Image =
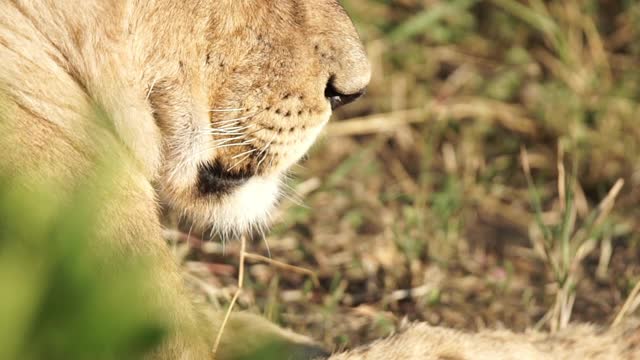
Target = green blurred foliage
(64,296)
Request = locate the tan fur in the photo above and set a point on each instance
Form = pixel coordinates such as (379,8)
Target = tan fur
(167,74)
(577,342)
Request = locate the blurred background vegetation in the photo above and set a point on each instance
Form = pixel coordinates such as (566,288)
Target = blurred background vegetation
(489,178)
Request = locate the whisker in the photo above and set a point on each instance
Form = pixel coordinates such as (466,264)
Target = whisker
(222,146)
(238,127)
(271,161)
(222,133)
(232,128)
(230,145)
(255,131)
(291,194)
(264,156)
(150,90)
(226,122)
(226,140)
(294,200)
(266,147)
(223,121)
(216,131)
(266,242)
(239,162)
(227,128)
(243,153)
(189,235)
(263,153)
(261,160)
(226,110)
(213,232)
(231,125)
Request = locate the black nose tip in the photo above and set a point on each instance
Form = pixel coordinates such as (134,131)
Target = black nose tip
(337,99)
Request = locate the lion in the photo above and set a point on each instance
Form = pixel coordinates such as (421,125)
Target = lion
(205,104)
(421,341)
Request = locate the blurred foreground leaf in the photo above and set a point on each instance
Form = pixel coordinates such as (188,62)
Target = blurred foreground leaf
(63,295)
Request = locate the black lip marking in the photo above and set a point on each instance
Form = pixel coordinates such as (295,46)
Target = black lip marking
(213,179)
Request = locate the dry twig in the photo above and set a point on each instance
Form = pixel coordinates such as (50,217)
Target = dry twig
(629,306)
(285,266)
(243,246)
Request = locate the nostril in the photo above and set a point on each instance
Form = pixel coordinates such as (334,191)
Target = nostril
(337,99)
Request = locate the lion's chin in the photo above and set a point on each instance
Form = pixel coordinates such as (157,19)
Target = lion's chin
(241,211)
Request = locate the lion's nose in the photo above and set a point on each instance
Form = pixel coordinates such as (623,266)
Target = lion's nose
(340,53)
(349,73)
(337,99)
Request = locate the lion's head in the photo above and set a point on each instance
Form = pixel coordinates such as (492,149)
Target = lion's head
(262,77)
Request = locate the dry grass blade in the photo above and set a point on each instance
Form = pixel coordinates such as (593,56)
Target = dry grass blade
(541,246)
(606,250)
(561,312)
(241,269)
(561,247)
(604,208)
(630,305)
(562,190)
(458,108)
(285,266)
(243,247)
(377,123)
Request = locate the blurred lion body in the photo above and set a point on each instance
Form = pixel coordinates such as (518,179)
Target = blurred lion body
(205,105)
(576,342)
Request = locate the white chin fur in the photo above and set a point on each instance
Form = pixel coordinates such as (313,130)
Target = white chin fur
(246,208)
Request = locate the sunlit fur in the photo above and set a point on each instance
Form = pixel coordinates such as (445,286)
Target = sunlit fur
(577,342)
(235,87)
